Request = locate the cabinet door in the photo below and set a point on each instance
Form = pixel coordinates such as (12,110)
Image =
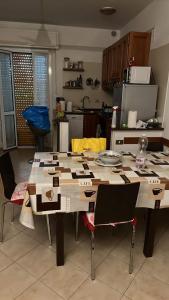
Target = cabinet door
(117,61)
(139,48)
(90,125)
(125,51)
(105,68)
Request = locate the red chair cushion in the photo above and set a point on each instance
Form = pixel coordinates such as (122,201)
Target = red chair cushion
(19,193)
(88,219)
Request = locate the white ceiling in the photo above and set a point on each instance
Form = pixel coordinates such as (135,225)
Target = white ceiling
(83,13)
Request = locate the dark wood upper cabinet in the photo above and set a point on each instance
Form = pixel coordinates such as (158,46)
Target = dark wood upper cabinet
(139,48)
(132,49)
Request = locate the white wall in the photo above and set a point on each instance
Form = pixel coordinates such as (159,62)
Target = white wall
(26,34)
(155,16)
(166,112)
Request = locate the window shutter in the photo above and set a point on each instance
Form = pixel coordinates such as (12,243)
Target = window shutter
(41,86)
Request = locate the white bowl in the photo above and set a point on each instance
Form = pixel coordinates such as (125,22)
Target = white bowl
(110,157)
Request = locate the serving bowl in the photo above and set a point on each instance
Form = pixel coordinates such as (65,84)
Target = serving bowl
(110,157)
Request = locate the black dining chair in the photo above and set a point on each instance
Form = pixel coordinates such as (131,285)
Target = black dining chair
(115,205)
(14,193)
(155,146)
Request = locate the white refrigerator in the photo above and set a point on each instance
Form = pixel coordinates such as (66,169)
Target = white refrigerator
(136,97)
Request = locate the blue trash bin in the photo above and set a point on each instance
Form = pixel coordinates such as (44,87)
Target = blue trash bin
(37,118)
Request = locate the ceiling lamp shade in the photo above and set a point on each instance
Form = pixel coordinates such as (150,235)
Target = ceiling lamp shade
(107,10)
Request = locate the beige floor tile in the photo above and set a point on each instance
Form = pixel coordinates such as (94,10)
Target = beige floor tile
(13,281)
(81,255)
(158,266)
(122,251)
(161,248)
(40,233)
(4,261)
(114,272)
(38,292)
(94,289)
(38,261)
(10,231)
(18,246)
(64,280)
(125,298)
(147,287)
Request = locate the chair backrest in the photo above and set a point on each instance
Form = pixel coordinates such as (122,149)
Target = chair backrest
(155,146)
(115,203)
(7,174)
(91,144)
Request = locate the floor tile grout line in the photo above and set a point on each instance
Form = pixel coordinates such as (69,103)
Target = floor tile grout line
(52,288)
(77,288)
(36,281)
(15,260)
(7,266)
(129,283)
(134,277)
(154,276)
(40,278)
(26,289)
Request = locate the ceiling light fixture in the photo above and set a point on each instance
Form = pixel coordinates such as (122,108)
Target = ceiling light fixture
(107,10)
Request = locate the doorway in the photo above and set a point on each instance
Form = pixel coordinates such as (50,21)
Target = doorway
(24,82)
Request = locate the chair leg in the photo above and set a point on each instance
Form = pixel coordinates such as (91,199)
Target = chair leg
(77,226)
(12,212)
(2,221)
(132,249)
(49,229)
(92,256)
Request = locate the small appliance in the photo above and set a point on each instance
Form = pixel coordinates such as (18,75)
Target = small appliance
(138,75)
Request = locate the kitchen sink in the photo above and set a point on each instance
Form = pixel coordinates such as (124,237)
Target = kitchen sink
(87,110)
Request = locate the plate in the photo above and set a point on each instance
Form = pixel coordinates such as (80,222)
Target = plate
(100,163)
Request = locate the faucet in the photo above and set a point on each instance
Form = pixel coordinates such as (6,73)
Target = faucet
(83,101)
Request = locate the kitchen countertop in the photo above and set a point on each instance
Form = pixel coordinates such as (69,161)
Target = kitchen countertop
(83,111)
(136,129)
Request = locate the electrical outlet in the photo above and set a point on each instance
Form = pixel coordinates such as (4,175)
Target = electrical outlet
(119,142)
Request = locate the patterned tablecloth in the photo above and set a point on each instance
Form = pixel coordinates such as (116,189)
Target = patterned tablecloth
(68,182)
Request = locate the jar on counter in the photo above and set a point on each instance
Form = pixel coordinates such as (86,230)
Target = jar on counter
(66,62)
(80,64)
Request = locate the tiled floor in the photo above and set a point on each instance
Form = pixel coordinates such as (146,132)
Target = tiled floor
(28,270)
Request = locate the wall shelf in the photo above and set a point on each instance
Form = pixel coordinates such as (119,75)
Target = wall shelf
(73,69)
(73,87)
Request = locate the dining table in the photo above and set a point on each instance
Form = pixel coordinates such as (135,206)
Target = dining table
(61,183)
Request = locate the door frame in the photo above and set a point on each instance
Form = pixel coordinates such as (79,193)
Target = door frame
(3,114)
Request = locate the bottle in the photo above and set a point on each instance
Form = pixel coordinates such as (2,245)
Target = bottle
(80,80)
(113,124)
(141,153)
(66,62)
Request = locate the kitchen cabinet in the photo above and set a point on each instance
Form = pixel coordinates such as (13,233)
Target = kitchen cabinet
(90,123)
(132,49)
(105,64)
